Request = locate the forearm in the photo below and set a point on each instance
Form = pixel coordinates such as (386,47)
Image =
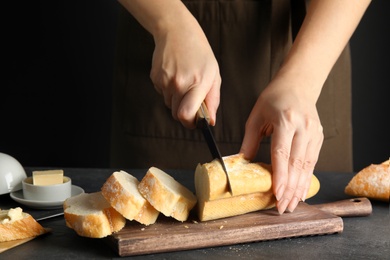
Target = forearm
(326,30)
(157,16)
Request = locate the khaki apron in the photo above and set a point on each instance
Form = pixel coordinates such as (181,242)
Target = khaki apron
(249,40)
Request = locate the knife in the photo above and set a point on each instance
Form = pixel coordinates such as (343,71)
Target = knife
(203,123)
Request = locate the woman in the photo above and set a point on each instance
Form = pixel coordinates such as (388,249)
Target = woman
(270,87)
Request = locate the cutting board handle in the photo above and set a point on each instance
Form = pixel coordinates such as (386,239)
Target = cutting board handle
(356,207)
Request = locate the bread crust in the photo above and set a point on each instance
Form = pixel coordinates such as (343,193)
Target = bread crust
(121,191)
(95,218)
(216,202)
(20,229)
(372,182)
(166,194)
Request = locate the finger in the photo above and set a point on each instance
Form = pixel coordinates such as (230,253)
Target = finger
(305,166)
(212,99)
(161,86)
(280,154)
(295,186)
(252,138)
(301,186)
(312,154)
(158,90)
(177,98)
(189,106)
(156,80)
(167,95)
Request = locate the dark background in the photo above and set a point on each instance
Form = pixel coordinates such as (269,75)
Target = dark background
(57,65)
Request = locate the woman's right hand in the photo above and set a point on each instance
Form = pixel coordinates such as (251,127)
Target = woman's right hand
(184,68)
(185,71)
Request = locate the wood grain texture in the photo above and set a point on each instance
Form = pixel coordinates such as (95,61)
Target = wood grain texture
(168,235)
(356,207)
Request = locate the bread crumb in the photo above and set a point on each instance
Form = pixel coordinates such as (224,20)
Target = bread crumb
(221,227)
(142,229)
(195,222)
(186,226)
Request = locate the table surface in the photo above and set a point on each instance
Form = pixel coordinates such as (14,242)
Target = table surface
(362,238)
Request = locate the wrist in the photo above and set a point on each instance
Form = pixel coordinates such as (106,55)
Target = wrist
(179,22)
(304,74)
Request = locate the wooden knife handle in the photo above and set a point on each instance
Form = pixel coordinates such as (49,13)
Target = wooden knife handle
(203,113)
(357,207)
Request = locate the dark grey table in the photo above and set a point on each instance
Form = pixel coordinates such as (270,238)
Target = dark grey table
(362,238)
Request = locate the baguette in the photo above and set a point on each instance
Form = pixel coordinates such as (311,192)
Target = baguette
(245,177)
(16,224)
(214,201)
(371,182)
(121,191)
(166,194)
(90,215)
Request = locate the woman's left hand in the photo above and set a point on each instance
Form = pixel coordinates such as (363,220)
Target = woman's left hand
(284,112)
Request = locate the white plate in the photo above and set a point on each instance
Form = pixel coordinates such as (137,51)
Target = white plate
(18,197)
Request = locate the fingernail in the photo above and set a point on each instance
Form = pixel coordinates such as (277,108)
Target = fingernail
(304,196)
(293,204)
(282,206)
(279,192)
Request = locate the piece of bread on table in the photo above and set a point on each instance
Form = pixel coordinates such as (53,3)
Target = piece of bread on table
(166,194)
(371,182)
(251,185)
(16,224)
(90,215)
(121,191)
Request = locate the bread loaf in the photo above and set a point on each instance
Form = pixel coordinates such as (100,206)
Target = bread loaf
(90,215)
(166,194)
(16,224)
(253,187)
(121,191)
(371,182)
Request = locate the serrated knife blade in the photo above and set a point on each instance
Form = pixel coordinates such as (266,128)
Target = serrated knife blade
(203,123)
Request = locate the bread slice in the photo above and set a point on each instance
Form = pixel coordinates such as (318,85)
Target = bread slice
(90,215)
(166,194)
(371,182)
(245,177)
(121,191)
(16,224)
(215,202)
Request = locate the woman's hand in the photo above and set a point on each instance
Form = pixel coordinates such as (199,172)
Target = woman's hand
(184,68)
(185,72)
(286,108)
(284,112)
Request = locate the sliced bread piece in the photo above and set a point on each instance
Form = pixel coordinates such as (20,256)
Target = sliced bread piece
(245,177)
(90,215)
(16,224)
(121,191)
(166,194)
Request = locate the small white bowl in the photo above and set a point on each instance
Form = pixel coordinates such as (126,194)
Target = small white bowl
(11,174)
(56,192)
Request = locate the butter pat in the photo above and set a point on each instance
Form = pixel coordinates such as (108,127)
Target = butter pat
(7,216)
(49,177)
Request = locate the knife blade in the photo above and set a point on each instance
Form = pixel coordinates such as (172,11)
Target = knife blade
(203,123)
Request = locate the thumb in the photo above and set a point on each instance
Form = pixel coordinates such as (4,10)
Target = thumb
(251,142)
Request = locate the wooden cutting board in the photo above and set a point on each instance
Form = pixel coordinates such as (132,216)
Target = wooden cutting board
(168,235)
